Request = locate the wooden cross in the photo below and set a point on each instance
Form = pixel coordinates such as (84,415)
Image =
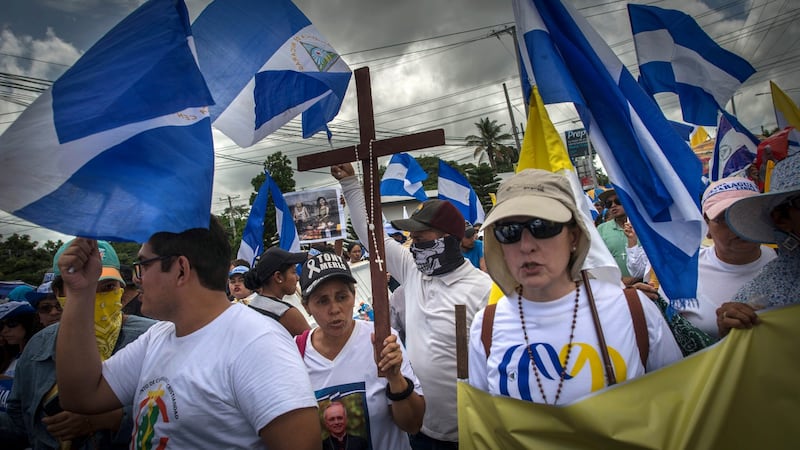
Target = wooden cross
(368,151)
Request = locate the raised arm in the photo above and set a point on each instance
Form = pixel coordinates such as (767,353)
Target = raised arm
(82,388)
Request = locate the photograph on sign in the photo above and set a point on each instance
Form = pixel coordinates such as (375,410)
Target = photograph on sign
(317,214)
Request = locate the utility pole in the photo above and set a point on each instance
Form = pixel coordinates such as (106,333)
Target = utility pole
(513,121)
(230,215)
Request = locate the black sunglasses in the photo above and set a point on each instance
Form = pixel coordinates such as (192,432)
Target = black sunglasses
(613,202)
(138,265)
(10,323)
(510,232)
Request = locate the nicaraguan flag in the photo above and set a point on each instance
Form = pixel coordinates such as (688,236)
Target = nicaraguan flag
(676,55)
(120,146)
(735,148)
(404,177)
(265,63)
(457,190)
(253,235)
(655,173)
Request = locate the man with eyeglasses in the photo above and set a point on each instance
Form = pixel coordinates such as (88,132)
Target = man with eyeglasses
(435,277)
(34,402)
(613,234)
(211,374)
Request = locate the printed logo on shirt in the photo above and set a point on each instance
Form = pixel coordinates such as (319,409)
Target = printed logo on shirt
(344,416)
(152,410)
(516,372)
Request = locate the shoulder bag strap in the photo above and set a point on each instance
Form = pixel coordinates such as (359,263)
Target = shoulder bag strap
(601,339)
(639,324)
(486,328)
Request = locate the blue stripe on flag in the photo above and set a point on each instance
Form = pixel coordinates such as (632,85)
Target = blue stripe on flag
(656,175)
(132,72)
(289,240)
(252,244)
(128,192)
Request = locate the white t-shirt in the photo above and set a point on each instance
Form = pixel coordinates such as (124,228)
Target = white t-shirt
(509,371)
(214,388)
(352,378)
(717,283)
(429,318)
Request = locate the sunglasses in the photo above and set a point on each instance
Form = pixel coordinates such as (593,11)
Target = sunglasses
(10,323)
(511,232)
(48,308)
(612,202)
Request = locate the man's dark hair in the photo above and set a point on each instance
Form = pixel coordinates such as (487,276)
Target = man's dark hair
(207,250)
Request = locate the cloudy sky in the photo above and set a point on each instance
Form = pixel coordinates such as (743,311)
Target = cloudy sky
(434,64)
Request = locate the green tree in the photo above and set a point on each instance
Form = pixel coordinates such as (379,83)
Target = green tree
(22,259)
(280,169)
(489,140)
(127,252)
(484,181)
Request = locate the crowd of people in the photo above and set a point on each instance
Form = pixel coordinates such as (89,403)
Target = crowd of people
(188,349)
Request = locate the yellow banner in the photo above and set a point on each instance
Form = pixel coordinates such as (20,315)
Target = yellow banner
(743,393)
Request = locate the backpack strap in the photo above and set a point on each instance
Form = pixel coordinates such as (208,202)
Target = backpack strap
(639,324)
(486,327)
(300,340)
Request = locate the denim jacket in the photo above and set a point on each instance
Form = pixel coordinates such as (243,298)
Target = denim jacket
(36,375)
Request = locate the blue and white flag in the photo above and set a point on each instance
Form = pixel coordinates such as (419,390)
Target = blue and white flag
(656,175)
(404,177)
(456,189)
(120,146)
(265,63)
(676,55)
(252,244)
(735,148)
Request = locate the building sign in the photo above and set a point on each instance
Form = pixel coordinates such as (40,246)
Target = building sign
(577,143)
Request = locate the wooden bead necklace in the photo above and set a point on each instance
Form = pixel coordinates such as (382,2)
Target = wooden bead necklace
(563,374)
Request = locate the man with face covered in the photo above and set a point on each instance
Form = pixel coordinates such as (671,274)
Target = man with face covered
(436,277)
(33,403)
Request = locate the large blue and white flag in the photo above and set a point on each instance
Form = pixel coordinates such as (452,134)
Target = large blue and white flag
(655,173)
(676,55)
(265,63)
(734,149)
(252,244)
(455,188)
(404,177)
(120,146)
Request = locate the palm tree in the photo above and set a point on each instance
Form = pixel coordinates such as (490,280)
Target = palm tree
(489,139)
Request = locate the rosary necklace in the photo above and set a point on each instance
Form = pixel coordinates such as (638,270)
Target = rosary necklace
(563,374)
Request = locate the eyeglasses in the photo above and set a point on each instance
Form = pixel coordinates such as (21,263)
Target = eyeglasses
(48,308)
(138,265)
(510,232)
(612,202)
(10,323)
